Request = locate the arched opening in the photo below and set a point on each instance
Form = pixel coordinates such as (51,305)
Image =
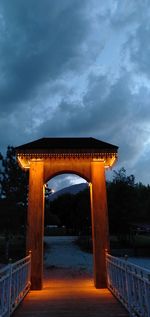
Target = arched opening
(67,233)
(69,192)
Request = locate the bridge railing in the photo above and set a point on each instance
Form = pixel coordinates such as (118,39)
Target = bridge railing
(130,284)
(14,285)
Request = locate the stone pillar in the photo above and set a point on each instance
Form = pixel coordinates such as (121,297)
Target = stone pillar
(99,222)
(35,222)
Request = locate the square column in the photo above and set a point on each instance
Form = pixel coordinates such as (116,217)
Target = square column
(100,230)
(35,222)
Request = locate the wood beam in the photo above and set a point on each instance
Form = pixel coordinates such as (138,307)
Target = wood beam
(99,223)
(35,223)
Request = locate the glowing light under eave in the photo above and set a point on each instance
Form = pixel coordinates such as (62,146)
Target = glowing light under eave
(22,163)
(108,162)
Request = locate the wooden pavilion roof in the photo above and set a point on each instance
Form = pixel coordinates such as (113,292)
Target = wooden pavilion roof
(61,148)
(54,145)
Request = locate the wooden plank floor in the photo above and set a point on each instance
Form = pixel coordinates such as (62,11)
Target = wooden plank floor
(69,296)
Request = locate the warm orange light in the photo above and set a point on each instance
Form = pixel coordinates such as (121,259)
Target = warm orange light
(23,163)
(113,160)
(98,160)
(109,160)
(60,288)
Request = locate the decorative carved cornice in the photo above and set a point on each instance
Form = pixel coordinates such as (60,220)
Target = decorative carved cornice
(108,158)
(67,155)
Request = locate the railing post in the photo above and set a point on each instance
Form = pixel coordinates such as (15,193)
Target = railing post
(107,276)
(10,287)
(29,272)
(128,286)
(147,297)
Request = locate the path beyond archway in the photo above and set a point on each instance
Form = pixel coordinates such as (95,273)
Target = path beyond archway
(64,255)
(86,157)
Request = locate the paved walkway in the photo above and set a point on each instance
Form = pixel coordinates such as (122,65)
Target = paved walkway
(68,287)
(63,252)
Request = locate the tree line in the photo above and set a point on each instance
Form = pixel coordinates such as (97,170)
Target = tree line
(128,202)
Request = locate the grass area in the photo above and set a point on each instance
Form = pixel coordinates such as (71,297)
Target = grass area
(140,245)
(84,243)
(58,231)
(55,231)
(142,240)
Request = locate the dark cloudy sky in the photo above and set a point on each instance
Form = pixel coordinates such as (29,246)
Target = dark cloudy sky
(77,68)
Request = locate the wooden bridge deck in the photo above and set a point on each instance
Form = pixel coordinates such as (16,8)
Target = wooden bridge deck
(69,296)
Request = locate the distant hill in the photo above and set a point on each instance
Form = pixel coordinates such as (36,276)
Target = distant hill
(74,189)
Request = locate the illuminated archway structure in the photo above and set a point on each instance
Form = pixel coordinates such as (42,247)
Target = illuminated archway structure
(48,157)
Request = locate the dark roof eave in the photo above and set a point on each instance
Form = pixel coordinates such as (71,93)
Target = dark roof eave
(66,145)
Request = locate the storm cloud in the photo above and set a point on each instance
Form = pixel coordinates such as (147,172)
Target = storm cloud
(77,68)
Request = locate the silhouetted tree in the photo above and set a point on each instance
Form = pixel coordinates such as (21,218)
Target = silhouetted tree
(73,210)
(122,204)
(13,193)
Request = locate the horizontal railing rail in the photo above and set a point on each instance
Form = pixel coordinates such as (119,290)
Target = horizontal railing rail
(14,284)
(130,284)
